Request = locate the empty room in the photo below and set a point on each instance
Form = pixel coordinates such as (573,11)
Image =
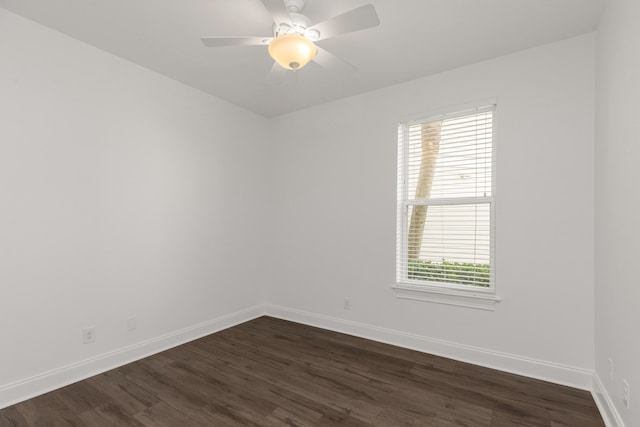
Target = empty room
(319,213)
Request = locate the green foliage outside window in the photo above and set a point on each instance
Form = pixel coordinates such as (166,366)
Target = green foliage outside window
(457,273)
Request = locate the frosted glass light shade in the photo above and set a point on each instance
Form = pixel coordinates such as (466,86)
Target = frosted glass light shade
(292,51)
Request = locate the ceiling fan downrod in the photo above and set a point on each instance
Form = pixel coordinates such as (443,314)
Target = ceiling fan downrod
(294,6)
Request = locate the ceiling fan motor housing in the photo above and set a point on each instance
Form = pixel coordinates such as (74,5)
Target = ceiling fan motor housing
(299,24)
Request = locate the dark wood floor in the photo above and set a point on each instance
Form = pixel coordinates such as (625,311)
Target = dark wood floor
(270,372)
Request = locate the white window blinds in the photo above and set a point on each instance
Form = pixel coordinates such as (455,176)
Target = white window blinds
(446,200)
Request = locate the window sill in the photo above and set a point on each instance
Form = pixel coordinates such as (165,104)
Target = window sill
(481,300)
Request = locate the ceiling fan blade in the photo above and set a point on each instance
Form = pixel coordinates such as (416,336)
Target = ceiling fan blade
(235,41)
(276,74)
(277,10)
(353,20)
(331,62)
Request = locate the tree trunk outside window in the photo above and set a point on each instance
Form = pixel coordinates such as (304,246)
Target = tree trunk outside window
(430,138)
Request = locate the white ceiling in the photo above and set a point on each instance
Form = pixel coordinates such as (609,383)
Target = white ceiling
(415,38)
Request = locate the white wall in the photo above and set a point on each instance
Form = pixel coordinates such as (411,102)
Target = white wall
(334,214)
(122,193)
(617,205)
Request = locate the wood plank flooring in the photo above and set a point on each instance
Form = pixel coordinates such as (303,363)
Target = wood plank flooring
(270,372)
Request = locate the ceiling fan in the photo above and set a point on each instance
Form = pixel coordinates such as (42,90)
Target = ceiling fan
(292,43)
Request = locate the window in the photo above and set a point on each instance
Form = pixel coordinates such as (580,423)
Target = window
(446,203)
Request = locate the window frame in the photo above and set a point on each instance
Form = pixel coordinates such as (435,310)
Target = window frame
(441,292)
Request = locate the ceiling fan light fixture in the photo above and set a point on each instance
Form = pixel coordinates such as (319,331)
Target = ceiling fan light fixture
(292,51)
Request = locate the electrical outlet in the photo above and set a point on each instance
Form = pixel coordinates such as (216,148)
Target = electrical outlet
(347,303)
(626,393)
(88,335)
(611,368)
(132,323)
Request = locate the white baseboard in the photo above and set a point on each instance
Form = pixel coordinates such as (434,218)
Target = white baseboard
(609,413)
(42,383)
(539,369)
